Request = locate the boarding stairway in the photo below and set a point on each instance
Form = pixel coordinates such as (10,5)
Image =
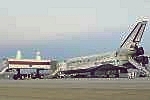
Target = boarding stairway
(143,69)
(55,72)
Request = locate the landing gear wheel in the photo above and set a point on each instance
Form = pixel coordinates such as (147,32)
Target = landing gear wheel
(15,77)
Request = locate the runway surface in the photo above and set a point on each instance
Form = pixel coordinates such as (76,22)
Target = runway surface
(73,89)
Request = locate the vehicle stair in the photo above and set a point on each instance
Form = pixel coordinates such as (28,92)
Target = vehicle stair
(141,68)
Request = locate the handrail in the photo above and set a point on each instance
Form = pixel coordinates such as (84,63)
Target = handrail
(138,66)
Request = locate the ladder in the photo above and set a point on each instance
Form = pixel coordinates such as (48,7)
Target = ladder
(139,66)
(55,72)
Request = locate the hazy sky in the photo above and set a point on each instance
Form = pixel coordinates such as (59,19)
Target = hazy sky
(68,28)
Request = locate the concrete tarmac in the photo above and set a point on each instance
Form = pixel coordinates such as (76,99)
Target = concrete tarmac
(100,83)
(73,89)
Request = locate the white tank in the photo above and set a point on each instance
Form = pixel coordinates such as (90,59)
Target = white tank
(38,57)
(18,55)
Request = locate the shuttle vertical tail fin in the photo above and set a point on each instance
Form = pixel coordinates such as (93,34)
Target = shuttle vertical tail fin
(135,36)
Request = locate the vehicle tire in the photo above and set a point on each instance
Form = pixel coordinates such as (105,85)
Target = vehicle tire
(107,76)
(33,77)
(15,77)
(41,77)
